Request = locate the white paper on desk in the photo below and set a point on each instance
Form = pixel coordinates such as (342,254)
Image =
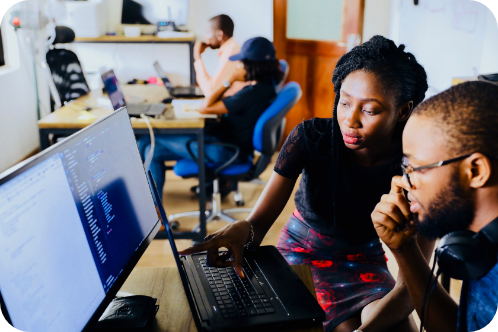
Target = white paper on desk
(188,108)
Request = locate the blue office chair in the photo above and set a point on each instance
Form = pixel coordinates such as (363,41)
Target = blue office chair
(284,66)
(266,140)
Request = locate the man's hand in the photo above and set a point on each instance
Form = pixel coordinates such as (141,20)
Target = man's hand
(234,236)
(392,218)
(199,48)
(239,74)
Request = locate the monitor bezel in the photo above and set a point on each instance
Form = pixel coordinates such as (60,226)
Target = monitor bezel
(23,166)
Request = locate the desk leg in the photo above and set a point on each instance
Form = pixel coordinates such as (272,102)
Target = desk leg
(193,81)
(44,141)
(202,185)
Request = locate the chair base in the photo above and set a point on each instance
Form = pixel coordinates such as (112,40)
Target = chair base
(216,213)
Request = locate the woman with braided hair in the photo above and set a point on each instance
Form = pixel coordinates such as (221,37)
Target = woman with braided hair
(346,164)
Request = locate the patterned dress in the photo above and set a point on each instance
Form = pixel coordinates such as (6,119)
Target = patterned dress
(342,249)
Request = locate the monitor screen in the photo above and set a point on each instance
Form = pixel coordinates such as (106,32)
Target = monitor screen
(71,223)
(153,11)
(113,90)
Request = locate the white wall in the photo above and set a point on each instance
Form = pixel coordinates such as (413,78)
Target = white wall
(450,38)
(18,111)
(252,18)
(376,18)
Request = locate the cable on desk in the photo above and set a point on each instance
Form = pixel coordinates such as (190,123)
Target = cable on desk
(148,159)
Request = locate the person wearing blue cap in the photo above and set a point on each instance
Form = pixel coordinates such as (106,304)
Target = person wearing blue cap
(258,66)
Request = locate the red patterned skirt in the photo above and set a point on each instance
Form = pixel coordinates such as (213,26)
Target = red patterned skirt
(347,277)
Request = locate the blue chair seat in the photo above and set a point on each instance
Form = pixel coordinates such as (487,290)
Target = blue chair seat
(189,168)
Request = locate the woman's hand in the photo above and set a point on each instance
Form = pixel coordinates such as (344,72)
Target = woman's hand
(234,237)
(392,218)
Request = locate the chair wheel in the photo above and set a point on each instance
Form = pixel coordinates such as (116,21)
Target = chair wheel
(240,203)
(174,225)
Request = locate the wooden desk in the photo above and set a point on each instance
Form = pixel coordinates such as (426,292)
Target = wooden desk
(174,312)
(148,39)
(68,120)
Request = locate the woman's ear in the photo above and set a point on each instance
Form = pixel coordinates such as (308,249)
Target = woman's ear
(404,111)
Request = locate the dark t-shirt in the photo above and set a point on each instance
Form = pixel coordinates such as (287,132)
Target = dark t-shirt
(478,302)
(307,150)
(244,109)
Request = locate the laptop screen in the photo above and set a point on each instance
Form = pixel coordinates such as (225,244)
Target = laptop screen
(163,76)
(71,220)
(113,89)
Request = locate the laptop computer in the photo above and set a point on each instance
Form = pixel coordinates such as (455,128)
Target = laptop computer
(177,91)
(271,294)
(75,219)
(118,99)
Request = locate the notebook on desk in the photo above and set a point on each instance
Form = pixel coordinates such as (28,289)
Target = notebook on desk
(189,108)
(271,294)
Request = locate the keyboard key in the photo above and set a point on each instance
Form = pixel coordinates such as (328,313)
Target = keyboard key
(268,305)
(220,302)
(262,296)
(229,305)
(225,297)
(261,311)
(252,312)
(270,310)
(256,301)
(258,305)
(227,301)
(222,306)
(222,288)
(252,293)
(265,301)
(232,310)
(216,293)
(217,298)
(223,293)
(253,297)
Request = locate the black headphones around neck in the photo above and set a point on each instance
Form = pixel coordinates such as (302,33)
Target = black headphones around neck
(466,255)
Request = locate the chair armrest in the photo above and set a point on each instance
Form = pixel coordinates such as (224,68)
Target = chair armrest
(227,145)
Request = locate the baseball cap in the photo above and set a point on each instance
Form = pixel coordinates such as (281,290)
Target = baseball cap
(256,49)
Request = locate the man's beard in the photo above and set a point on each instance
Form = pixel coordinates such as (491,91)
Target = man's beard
(452,210)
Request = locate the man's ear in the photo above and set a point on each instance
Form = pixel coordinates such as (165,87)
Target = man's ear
(220,35)
(404,111)
(478,170)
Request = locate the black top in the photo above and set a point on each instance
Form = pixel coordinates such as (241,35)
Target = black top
(307,150)
(244,109)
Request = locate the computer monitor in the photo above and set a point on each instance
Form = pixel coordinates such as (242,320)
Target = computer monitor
(74,220)
(113,89)
(153,11)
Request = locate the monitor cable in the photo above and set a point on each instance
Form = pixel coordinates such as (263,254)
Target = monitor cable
(431,285)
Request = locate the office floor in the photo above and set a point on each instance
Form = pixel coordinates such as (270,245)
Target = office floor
(178,198)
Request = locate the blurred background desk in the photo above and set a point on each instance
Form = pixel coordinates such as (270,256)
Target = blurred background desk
(174,313)
(69,119)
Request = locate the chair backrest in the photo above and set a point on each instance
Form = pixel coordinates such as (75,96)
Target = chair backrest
(284,66)
(265,138)
(67,74)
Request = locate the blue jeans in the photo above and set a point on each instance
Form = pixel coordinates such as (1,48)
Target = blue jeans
(174,147)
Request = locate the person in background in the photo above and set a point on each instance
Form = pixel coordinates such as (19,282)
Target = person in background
(257,65)
(345,164)
(219,35)
(457,126)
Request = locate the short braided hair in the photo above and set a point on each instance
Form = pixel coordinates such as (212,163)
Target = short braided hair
(467,116)
(398,70)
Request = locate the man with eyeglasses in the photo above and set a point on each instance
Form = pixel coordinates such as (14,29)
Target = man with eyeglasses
(450,145)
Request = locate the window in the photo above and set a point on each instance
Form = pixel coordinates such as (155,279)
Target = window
(2,58)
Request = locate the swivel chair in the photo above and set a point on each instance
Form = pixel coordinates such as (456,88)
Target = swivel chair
(284,66)
(266,139)
(65,69)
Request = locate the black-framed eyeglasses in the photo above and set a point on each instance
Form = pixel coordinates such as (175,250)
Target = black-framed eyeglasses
(408,169)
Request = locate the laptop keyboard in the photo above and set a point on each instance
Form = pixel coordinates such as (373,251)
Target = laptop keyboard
(237,297)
